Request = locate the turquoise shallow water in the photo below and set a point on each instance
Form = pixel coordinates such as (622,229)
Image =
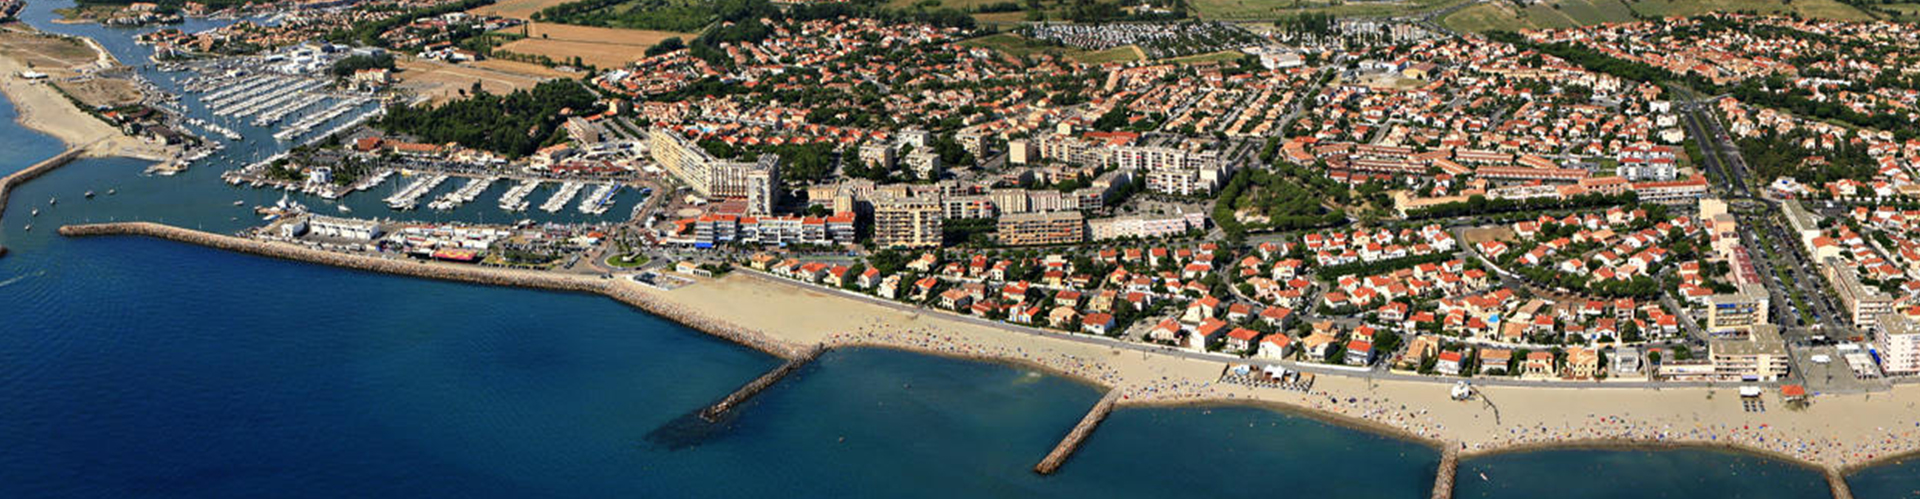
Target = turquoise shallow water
(141,368)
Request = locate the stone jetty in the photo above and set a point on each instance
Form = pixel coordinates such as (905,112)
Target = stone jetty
(626,292)
(32,172)
(1078,435)
(747,391)
(1449,466)
(1838,481)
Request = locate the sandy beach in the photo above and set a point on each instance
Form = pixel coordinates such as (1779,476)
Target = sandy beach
(42,108)
(1835,432)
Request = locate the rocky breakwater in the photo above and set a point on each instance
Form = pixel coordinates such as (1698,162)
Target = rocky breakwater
(32,172)
(746,392)
(628,293)
(1449,467)
(1078,434)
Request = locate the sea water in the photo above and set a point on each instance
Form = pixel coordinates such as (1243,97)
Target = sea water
(141,368)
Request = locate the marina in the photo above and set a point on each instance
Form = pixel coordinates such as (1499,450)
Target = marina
(307,123)
(409,197)
(600,200)
(559,200)
(464,195)
(516,198)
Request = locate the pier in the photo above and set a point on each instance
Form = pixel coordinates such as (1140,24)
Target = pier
(747,391)
(1449,466)
(1078,435)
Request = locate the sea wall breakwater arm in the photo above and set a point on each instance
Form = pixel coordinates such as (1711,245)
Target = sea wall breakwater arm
(32,172)
(628,293)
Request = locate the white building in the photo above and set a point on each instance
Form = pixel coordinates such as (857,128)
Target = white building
(1143,226)
(344,228)
(1898,343)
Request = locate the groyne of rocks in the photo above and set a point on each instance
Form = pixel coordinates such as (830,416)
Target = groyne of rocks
(747,391)
(1078,434)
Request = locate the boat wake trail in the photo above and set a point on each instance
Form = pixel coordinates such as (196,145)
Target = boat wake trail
(22,277)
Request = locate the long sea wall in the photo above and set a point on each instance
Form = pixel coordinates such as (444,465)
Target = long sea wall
(32,172)
(628,293)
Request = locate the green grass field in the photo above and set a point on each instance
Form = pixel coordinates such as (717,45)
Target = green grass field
(1018,46)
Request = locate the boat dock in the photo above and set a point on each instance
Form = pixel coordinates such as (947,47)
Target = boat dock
(559,199)
(464,195)
(307,123)
(1078,435)
(600,200)
(409,197)
(516,198)
(747,391)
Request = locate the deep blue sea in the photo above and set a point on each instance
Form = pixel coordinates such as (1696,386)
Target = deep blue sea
(140,368)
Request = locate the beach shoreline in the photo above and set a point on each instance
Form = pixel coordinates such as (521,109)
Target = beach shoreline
(790,318)
(44,109)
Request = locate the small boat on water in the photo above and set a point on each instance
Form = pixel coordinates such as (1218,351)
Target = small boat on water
(89,195)
(36,212)
(29,227)
(239,203)
(344,209)
(53,201)
(110,192)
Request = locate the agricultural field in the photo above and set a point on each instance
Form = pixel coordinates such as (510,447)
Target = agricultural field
(523,68)
(1822,9)
(440,82)
(600,47)
(1018,46)
(1221,56)
(965,5)
(1239,10)
(1487,17)
(517,9)
(1003,19)
(1907,12)
(1504,16)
